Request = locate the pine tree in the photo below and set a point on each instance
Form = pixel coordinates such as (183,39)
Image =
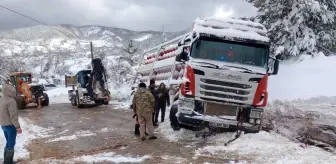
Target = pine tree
(130,51)
(298,27)
(122,71)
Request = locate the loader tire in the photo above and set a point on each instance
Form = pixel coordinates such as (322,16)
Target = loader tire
(45,102)
(79,105)
(73,100)
(21,102)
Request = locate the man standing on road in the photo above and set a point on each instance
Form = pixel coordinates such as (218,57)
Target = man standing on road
(162,99)
(144,103)
(152,90)
(9,121)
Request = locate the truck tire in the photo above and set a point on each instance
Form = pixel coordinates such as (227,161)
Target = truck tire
(45,102)
(79,105)
(73,100)
(21,102)
(173,119)
(106,102)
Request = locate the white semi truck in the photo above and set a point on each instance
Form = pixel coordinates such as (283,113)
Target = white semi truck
(219,72)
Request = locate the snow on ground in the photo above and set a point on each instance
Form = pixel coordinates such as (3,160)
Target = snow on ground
(312,119)
(29,133)
(142,38)
(120,93)
(58,95)
(307,79)
(268,148)
(73,137)
(111,157)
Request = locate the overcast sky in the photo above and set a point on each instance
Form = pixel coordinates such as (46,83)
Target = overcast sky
(130,14)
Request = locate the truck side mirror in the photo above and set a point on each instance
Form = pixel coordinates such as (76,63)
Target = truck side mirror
(275,67)
(273,63)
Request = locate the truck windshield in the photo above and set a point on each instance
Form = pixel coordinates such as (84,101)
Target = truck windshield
(229,51)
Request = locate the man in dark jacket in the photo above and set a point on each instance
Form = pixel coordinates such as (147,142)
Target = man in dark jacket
(151,88)
(162,99)
(9,121)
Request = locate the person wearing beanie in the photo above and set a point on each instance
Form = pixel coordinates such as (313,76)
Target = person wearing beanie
(144,103)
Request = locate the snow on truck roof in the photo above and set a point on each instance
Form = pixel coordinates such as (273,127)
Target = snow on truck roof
(227,27)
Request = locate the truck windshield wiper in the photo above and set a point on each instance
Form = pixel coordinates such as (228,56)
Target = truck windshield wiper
(214,65)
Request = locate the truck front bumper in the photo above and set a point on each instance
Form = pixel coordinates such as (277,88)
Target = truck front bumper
(210,122)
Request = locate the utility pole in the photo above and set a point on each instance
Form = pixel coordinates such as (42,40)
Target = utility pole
(163,34)
(91,46)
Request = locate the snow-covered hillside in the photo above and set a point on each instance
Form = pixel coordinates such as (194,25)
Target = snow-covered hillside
(64,49)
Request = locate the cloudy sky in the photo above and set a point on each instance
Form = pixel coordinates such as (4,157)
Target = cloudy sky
(130,14)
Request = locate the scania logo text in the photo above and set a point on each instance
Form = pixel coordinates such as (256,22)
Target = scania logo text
(227,76)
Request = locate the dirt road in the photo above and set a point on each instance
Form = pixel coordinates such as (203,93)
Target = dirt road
(89,131)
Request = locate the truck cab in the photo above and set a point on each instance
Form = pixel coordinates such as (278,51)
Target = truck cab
(222,68)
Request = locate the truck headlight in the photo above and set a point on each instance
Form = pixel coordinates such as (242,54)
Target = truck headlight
(258,121)
(256,113)
(186,106)
(251,120)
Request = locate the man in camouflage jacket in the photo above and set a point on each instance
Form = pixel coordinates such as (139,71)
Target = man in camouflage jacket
(144,103)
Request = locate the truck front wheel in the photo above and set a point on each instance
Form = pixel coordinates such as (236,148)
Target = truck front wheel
(73,100)
(79,105)
(173,119)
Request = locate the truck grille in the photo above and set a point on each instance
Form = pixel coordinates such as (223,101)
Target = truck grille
(224,90)
(240,92)
(214,109)
(224,83)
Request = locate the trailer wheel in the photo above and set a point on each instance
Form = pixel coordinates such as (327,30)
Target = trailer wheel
(21,102)
(79,105)
(46,100)
(173,119)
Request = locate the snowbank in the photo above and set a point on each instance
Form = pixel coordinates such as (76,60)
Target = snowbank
(58,95)
(310,121)
(29,133)
(268,148)
(120,93)
(307,79)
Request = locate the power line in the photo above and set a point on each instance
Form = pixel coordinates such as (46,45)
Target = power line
(23,15)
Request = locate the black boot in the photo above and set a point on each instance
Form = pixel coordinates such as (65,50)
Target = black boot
(137,130)
(8,156)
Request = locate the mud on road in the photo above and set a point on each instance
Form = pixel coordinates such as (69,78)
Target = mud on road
(88,131)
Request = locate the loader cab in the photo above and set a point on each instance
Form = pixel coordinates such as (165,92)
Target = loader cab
(83,78)
(17,78)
